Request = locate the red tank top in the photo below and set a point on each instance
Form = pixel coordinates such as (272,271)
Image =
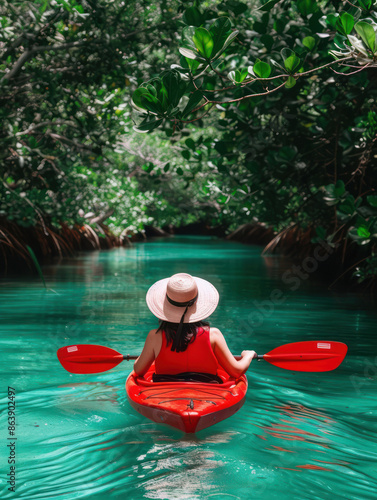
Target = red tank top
(198,357)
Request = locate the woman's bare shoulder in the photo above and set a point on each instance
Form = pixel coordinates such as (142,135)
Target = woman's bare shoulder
(215,331)
(153,335)
(215,334)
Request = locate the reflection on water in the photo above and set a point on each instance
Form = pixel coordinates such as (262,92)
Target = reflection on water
(299,435)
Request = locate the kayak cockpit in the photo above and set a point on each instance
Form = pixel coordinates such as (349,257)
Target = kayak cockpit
(151,377)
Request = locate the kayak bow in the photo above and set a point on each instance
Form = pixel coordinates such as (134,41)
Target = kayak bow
(187,406)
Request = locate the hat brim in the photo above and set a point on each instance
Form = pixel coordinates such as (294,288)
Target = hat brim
(206,303)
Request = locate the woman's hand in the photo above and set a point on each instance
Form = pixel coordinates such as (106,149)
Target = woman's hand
(252,354)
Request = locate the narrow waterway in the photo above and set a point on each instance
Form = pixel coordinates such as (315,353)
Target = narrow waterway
(300,436)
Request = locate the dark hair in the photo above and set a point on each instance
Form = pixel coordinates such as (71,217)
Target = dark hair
(187,335)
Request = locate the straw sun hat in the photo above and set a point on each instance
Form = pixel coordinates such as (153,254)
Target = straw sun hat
(182,298)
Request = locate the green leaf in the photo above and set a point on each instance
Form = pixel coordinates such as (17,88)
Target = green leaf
(193,17)
(136,97)
(203,42)
(358,45)
(359,235)
(345,23)
(372,200)
(306,7)
(188,65)
(179,171)
(279,25)
(193,102)
(190,143)
(148,167)
(268,5)
(291,82)
(186,154)
(268,41)
(363,232)
(365,4)
(174,85)
(43,7)
(309,42)
(222,199)
(220,30)
(333,193)
(331,20)
(167,167)
(193,65)
(367,34)
(148,125)
(151,103)
(262,69)
(239,75)
(236,7)
(163,93)
(190,54)
(348,206)
(187,37)
(227,42)
(292,63)
(276,64)
(339,189)
(152,90)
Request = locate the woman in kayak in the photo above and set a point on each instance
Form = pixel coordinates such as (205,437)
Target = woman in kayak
(184,345)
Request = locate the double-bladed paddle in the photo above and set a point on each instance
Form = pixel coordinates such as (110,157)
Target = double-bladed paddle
(308,356)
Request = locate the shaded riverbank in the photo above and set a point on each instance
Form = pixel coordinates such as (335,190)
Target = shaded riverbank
(336,261)
(48,242)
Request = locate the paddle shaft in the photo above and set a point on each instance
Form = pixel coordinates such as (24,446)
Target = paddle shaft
(275,357)
(305,356)
(122,357)
(258,357)
(127,357)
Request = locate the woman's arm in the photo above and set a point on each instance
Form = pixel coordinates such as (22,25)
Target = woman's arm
(147,356)
(235,368)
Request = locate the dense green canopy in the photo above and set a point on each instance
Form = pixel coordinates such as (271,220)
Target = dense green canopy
(258,111)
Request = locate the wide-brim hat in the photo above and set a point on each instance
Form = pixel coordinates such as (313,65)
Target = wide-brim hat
(170,297)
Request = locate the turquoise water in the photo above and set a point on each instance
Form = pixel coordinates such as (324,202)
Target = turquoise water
(299,435)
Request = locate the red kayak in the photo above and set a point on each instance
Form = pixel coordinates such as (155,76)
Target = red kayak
(187,406)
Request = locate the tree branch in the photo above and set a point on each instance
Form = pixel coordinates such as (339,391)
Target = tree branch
(70,141)
(236,100)
(352,72)
(100,218)
(30,130)
(42,48)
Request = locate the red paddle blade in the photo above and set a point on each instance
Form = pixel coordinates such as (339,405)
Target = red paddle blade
(86,358)
(309,356)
